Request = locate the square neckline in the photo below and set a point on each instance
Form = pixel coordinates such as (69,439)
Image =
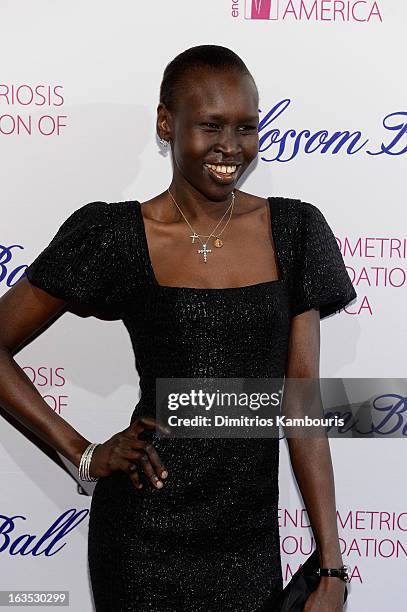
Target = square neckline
(262,284)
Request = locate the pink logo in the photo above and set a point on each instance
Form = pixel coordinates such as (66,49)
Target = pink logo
(261,9)
(310,10)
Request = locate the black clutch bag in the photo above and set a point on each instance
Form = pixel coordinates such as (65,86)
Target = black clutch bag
(293,597)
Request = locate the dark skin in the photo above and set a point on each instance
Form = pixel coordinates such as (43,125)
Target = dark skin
(203,128)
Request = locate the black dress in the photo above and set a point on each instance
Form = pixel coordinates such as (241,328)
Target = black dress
(209,539)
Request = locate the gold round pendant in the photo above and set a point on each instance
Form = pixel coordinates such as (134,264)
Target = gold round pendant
(218,242)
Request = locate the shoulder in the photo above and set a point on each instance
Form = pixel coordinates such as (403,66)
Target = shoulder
(310,212)
(97,217)
(96,211)
(295,206)
(99,212)
(315,267)
(86,259)
(315,227)
(95,227)
(83,219)
(298,215)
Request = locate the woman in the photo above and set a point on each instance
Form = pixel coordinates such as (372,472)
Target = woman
(191,524)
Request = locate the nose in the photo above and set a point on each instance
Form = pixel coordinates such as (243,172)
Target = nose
(228,142)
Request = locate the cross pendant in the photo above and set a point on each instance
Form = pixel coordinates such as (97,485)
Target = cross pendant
(194,235)
(204,250)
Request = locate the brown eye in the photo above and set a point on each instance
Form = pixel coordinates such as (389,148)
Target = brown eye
(211,126)
(247,128)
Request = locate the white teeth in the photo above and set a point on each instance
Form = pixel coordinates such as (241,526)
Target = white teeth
(222,169)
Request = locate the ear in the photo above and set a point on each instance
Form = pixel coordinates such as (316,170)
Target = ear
(164,122)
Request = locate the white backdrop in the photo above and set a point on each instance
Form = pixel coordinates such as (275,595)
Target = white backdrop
(78,94)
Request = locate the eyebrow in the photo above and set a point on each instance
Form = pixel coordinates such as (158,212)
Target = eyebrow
(220,117)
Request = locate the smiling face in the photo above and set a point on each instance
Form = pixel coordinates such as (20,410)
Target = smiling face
(213,130)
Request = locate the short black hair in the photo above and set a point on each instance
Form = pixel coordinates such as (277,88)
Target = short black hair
(201,56)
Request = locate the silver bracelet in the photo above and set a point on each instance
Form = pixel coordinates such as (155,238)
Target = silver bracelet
(85,463)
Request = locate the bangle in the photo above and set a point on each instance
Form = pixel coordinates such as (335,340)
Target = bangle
(335,572)
(84,463)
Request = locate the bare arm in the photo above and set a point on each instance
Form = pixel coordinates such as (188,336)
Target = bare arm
(25,312)
(311,457)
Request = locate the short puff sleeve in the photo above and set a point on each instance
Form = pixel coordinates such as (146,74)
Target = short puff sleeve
(320,277)
(81,262)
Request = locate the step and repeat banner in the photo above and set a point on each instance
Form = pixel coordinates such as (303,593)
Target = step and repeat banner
(78,95)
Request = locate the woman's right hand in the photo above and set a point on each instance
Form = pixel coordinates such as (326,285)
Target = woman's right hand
(125,451)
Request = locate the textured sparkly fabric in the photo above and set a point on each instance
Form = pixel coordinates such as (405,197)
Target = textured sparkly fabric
(209,540)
